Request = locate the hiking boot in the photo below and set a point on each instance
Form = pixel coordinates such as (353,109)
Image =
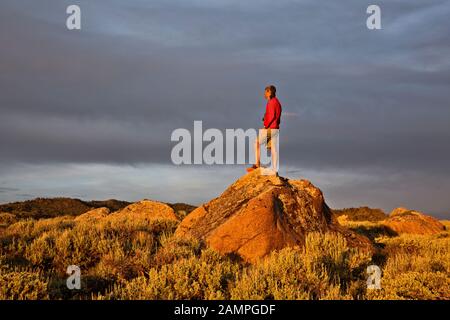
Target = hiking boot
(253,167)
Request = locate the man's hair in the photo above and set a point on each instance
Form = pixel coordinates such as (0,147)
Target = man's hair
(272,90)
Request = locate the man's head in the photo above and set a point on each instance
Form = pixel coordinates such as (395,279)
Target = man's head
(270,92)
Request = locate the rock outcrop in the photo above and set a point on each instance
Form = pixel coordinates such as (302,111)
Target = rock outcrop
(93,215)
(258,214)
(146,209)
(402,220)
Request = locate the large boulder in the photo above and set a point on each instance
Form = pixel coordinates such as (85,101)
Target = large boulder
(258,214)
(402,220)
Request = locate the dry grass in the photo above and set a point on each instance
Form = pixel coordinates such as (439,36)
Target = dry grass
(413,266)
(122,258)
(326,268)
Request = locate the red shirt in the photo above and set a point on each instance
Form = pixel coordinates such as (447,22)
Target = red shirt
(273,114)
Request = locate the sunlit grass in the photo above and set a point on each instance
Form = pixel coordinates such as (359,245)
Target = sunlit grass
(124,258)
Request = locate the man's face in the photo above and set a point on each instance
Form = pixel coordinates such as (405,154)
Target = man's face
(267,94)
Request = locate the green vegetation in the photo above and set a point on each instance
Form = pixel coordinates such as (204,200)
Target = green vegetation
(122,258)
(40,208)
(361,214)
(413,266)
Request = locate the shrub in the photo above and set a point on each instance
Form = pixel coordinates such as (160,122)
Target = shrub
(416,267)
(413,285)
(123,258)
(372,230)
(21,285)
(30,228)
(361,214)
(174,248)
(41,251)
(324,269)
(206,277)
(7,218)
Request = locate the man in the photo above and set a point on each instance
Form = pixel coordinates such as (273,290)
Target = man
(271,122)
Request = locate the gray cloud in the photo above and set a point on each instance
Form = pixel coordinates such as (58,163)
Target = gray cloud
(5,189)
(375,103)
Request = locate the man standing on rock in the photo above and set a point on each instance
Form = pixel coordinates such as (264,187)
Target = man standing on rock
(267,135)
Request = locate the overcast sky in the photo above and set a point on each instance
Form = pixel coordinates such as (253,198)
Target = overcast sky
(89,113)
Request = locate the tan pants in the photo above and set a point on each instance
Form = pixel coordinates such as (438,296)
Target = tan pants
(267,137)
